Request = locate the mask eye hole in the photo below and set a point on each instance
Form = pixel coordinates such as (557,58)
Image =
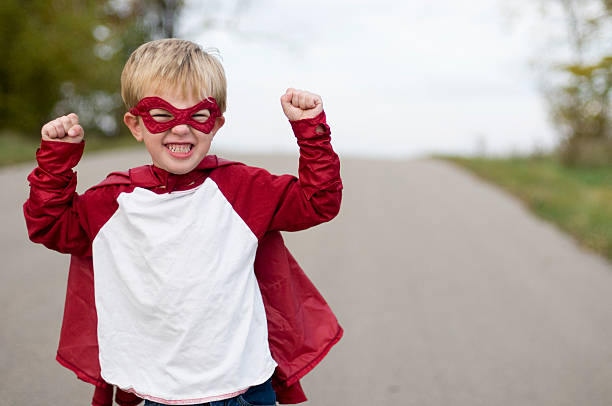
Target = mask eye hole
(201,116)
(161,115)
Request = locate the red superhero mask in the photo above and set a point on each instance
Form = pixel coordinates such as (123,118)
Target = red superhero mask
(179,116)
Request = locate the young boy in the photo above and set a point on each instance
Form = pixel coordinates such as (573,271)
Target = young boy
(180,290)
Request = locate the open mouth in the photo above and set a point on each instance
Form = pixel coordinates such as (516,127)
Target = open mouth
(179,148)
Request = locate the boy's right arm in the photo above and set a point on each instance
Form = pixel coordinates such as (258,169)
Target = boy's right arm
(51,212)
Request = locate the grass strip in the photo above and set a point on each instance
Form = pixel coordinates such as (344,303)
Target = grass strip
(578,200)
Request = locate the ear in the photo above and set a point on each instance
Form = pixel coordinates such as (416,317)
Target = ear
(219,121)
(133,123)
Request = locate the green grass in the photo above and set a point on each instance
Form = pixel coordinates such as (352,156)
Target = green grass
(578,200)
(16,149)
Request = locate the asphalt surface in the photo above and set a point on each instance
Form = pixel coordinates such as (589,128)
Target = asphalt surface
(449,291)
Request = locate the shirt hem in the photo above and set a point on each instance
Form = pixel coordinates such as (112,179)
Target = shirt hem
(187,401)
(194,401)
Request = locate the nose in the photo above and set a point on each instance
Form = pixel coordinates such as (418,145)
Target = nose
(181,129)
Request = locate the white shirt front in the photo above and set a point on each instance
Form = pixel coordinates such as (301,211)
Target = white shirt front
(180,313)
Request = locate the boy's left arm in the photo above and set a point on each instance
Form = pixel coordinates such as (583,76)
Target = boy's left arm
(315,196)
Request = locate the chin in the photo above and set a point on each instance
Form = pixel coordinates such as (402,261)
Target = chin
(177,169)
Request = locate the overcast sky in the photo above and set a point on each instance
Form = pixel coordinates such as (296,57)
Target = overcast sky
(397,78)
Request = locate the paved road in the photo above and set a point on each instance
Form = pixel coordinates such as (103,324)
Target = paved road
(449,291)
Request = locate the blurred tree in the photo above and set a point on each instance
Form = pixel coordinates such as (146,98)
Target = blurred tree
(67,55)
(581,110)
(579,101)
(62,55)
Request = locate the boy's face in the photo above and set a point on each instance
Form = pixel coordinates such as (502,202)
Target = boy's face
(178,149)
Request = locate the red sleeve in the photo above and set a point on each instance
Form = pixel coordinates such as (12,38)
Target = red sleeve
(315,197)
(268,202)
(51,213)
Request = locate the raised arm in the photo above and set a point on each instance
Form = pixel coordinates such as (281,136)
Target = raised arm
(50,213)
(315,196)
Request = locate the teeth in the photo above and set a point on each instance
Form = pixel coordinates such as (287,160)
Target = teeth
(182,148)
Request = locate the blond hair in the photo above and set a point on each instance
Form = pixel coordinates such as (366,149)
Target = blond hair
(173,63)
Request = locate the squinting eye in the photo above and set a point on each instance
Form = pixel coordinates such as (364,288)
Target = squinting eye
(201,116)
(161,116)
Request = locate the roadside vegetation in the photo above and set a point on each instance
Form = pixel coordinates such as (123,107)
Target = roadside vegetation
(577,199)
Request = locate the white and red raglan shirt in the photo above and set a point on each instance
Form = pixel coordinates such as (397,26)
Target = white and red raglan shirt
(180,317)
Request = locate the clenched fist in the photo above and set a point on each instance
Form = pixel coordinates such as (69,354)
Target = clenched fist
(64,129)
(299,104)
